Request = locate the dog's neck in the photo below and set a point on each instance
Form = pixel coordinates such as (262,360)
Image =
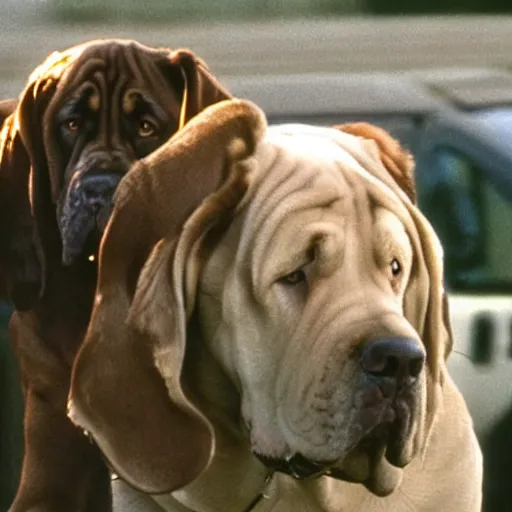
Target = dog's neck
(234,477)
(236,480)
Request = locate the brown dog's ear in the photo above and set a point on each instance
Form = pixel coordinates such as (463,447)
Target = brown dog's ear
(395,159)
(20,268)
(126,383)
(21,256)
(25,198)
(11,188)
(200,88)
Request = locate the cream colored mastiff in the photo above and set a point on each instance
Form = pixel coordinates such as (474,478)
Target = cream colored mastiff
(283,346)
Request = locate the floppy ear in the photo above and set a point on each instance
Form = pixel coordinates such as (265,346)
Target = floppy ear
(126,383)
(25,200)
(20,271)
(21,255)
(436,332)
(426,308)
(395,159)
(200,88)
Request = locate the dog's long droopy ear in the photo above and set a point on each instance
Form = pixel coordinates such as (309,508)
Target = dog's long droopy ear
(126,384)
(436,332)
(426,308)
(19,269)
(21,258)
(200,87)
(398,162)
(25,200)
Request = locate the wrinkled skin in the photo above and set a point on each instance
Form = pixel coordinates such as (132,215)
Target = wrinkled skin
(304,279)
(99,142)
(318,270)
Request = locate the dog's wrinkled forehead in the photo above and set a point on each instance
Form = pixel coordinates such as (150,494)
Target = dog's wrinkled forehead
(105,69)
(294,154)
(351,162)
(313,169)
(109,79)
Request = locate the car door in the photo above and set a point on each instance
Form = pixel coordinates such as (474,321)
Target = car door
(464,180)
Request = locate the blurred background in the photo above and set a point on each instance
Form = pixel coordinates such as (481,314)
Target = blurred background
(264,38)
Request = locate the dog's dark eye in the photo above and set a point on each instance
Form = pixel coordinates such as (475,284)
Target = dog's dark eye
(72,125)
(396,267)
(146,128)
(293,278)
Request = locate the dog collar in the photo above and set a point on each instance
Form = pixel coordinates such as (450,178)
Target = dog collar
(262,495)
(252,505)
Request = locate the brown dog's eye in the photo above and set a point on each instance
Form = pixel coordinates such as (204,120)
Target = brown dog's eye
(293,278)
(146,128)
(73,125)
(396,267)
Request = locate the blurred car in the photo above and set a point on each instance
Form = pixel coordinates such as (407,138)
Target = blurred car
(458,125)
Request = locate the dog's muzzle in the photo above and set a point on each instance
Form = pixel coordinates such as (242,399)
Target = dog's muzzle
(390,372)
(391,369)
(85,211)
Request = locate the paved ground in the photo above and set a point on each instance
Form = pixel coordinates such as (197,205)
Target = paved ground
(348,44)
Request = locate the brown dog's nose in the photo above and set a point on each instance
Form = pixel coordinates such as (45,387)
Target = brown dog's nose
(393,358)
(99,188)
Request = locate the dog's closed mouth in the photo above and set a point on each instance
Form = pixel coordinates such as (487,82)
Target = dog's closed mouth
(296,466)
(78,223)
(379,451)
(77,234)
(398,432)
(377,459)
(390,433)
(385,441)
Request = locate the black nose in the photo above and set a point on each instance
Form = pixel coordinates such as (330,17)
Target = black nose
(97,189)
(396,358)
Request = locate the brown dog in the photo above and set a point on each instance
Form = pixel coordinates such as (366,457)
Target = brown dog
(283,347)
(86,115)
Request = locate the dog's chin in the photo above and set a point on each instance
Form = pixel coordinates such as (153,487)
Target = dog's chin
(375,461)
(81,229)
(371,469)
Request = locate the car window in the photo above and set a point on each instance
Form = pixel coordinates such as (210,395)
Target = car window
(472,220)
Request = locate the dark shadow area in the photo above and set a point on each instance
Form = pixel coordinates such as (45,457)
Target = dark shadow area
(498,467)
(11,413)
(394,7)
